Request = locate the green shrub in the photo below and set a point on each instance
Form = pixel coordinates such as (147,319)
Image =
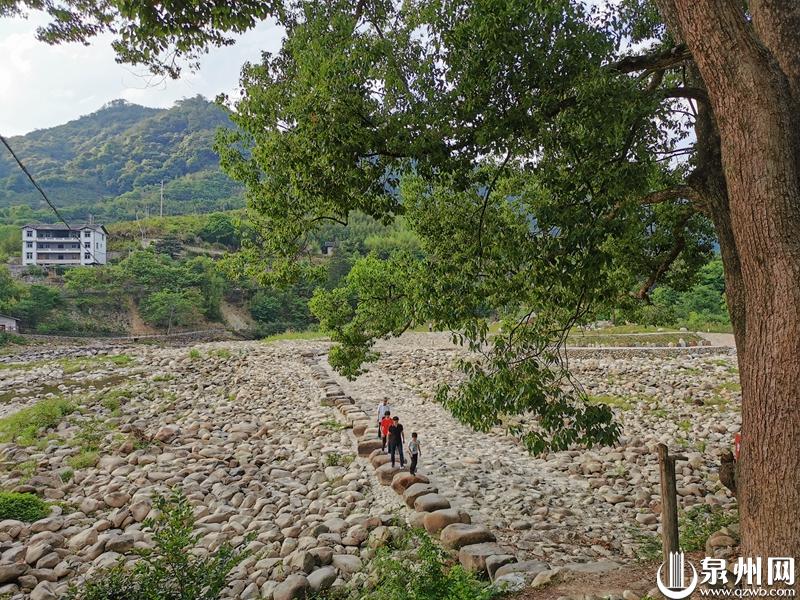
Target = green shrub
(169,571)
(423,574)
(697,523)
(24,425)
(22,507)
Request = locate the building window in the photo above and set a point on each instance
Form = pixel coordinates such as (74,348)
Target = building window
(87,234)
(29,255)
(29,233)
(87,256)
(87,244)
(29,244)
(60,257)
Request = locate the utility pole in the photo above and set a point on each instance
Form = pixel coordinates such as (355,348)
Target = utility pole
(161,212)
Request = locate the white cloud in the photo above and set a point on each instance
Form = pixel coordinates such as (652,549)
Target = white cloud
(42,86)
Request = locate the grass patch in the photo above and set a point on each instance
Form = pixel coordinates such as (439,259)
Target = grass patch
(164,377)
(66,475)
(613,401)
(23,426)
(334,425)
(696,524)
(194,354)
(685,425)
(84,460)
(334,459)
(22,507)
(631,340)
(111,400)
(221,353)
(716,400)
(729,386)
(294,335)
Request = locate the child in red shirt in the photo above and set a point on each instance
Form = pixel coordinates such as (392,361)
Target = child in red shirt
(386,422)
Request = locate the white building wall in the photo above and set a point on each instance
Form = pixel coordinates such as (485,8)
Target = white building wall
(39,247)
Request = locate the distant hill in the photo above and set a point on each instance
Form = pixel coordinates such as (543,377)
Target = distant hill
(111,164)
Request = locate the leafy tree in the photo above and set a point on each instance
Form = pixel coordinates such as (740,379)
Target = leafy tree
(34,304)
(220,229)
(168,308)
(169,245)
(524,142)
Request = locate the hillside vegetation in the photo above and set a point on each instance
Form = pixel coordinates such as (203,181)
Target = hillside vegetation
(111,163)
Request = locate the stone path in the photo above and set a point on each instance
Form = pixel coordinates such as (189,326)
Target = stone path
(566,506)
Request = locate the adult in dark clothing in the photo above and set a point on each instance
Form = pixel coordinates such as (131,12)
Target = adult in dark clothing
(396,440)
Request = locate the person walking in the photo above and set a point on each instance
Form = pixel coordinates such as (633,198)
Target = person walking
(383,409)
(386,422)
(396,441)
(415,451)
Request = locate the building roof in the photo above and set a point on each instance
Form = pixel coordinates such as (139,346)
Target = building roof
(60,227)
(9,317)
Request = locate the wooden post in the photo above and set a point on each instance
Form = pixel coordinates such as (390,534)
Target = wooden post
(669,501)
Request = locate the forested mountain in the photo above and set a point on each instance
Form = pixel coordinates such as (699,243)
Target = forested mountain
(111,164)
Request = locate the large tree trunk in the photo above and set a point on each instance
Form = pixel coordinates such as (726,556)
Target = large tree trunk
(750,72)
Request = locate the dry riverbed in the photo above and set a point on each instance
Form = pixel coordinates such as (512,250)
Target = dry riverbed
(240,428)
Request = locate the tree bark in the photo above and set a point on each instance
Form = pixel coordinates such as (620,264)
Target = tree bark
(758,122)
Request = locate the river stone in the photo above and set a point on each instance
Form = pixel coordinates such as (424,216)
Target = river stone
(416,490)
(437,520)
(380,460)
(527,569)
(44,591)
(87,537)
(510,583)
(496,561)
(600,566)
(10,571)
(347,563)
(430,503)
(457,535)
(116,499)
(365,447)
(473,557)
(405,479)
(386,473)
(322,579)
(293,587)
(120,543)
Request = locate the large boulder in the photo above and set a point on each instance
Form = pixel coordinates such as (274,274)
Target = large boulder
(473,557)
(496,561)
(437,520)
(416,490)
(322,579)
(458,535)
(347,563)
(380,460)
(430,503)
(405,479)
(293,587)
(365,447)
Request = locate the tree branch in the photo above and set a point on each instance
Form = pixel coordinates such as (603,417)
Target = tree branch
(656,61)
(691,93)
(680,243)
(673,193)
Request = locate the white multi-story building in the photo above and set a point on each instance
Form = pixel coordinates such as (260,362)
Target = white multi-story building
(49,245)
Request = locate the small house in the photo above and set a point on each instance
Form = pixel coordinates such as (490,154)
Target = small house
(9,324)
(327,248)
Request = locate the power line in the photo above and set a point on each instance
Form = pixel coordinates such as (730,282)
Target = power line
(44,195)
(33,181)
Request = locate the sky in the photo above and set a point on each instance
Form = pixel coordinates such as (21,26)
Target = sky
(42,86)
